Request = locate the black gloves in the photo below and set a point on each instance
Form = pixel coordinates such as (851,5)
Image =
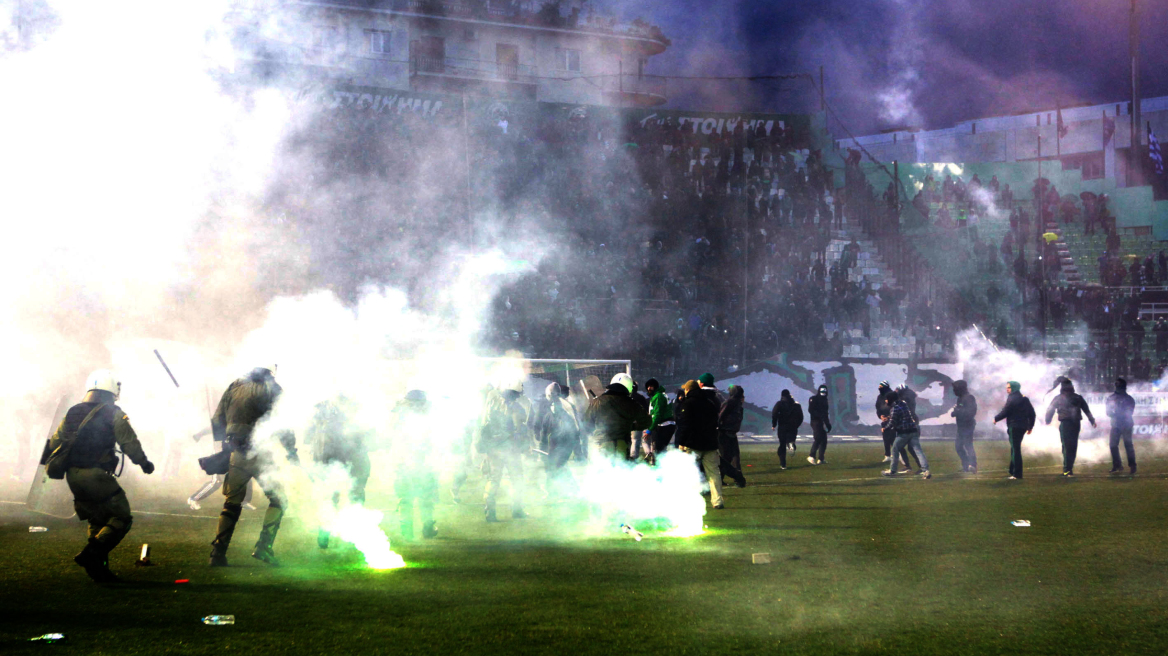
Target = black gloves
(148,467)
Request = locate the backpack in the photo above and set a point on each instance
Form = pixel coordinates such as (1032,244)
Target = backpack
(58,461)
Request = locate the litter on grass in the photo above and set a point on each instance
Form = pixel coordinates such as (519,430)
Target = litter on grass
(760,558)
(37,529)
(48,637)
(219,620)
(632,532)
(1021,522)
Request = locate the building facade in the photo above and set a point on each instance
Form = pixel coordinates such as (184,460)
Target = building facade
(546,52)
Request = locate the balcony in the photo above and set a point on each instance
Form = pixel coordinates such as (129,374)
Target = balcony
(631,89)
(470,69)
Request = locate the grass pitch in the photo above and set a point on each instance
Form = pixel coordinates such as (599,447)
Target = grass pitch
(861,565)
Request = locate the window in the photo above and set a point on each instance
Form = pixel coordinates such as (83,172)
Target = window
(326,37)
(568,60)
(378,42)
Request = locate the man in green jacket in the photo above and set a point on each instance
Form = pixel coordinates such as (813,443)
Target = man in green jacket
(661,423)
(94,427)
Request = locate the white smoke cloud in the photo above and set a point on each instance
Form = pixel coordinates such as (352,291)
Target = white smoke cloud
(138,178)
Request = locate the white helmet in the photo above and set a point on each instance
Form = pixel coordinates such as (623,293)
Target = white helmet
(514,386)
(623,379)
(104,380)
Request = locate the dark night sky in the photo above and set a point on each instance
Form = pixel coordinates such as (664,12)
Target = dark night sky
(893,63)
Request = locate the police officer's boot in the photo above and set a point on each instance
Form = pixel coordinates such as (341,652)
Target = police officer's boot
(94,559)
(517,512)
(430,529)
(489,512)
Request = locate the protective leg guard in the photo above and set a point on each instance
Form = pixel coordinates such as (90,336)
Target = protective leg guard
(227,521)
(263,549)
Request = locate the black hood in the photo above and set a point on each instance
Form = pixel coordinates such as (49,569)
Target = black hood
(823,390)
(1066,387)
(960,388)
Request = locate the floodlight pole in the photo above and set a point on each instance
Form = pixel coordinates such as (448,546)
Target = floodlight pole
(1134,53)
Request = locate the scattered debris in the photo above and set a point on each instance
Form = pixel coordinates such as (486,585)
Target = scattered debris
(144,558)
(39,529)
(760,558)
(182,581)
(48,637)
(1021,522)
(632,532)
(219,620)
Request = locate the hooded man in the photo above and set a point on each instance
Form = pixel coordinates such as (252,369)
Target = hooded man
(884,411)
(661,422)
(1120,408)
(560,430)
(244,404)
(503,437)
(1070,407)
(87,438)
(965,411)
(1019,415)
(729,423)
(613,416)
(820,411)
(697,433)
(903,421)
(786,418)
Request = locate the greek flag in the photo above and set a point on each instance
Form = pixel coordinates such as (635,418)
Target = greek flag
(1154,151)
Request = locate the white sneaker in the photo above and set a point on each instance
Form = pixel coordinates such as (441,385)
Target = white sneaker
(811,460)
(195,505)
(887,459)
(1011,478)
(248,506)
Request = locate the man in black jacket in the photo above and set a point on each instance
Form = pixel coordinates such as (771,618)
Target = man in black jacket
(786,418)
(820,411)
(965,411)
(1019,416)
(883,411)
(1120,408)
(697,433)
(729,422)
(1070,407)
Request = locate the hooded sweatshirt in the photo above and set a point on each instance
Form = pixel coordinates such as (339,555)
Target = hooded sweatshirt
(1069,405)
(787,415)
(1120,408)
(614,414)
(818,407)
(965,409)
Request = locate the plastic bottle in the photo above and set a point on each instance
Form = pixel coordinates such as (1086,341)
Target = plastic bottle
(219,620)
(634,533)
(39,529)
(48,637)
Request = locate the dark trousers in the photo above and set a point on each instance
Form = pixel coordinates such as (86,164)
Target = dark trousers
(964,446)
(889,437)
(661,436)
(1124,434)
(730,463)
(1016,434)
(1069,434)
(785,439)
(819,439)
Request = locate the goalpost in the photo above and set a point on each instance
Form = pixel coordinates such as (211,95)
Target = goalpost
(574,375)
